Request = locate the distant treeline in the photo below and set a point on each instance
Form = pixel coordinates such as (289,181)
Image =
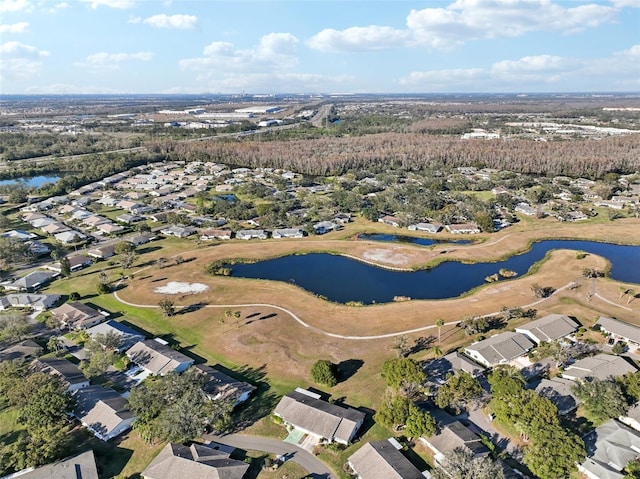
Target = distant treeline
(415,152)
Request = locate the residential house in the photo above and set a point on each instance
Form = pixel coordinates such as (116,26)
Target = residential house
(220,386)
(452,435)
(141,238)
(390,220)
(499,349)
(55,228)
(558,391)
(78,315)
(81,466)
(287,233)
(251,234)
(69,237)
(211,234)
(525,209)
(325,227)
(70,374)
(549,328)
(109,228)
(383,460)
(75,263)
(610,447)
(37,302)
(26,350)
(342,218)
(466,228)
(600,366)
(427,227)
(102,252)
(103,411)
(305,411)
(37,248)
(439,368)
(20,235)
(194,462)
(178,231)
(129,219)
(155,356)
(128,336)
(31,282)
(632,418)
(619,330)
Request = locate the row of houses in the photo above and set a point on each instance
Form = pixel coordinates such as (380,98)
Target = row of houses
(461,228)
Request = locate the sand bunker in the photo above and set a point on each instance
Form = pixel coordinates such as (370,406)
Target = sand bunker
(386,256)
(175,287)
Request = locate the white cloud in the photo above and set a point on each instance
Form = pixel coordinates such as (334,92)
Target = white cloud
(626,3)
(118,4)
(179,22)
(275,51)
(10,6)
(102,61)
(466,20)
(104,58)
(535,73)
(368,38)
(20,60)
(57,7)
(14,27)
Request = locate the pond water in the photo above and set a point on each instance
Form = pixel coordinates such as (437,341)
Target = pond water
(408,239)
(34,181)
(342,279)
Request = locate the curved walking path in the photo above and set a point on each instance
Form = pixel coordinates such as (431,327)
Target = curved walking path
(334,335)
(316,468)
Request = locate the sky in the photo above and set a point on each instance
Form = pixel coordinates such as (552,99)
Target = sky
(318,46)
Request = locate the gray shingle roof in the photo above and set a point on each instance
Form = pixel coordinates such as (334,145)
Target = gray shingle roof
(610,447)
(600,366)
(101,409)
(549,328)
(222,386)
(558,391)
(319,417)
(156,357)
(81,466)
(381,460)
(194,462)
(620,328)
(454,435)
(502,347)
(68,371)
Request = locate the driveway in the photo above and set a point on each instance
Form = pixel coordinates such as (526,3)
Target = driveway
(316,468)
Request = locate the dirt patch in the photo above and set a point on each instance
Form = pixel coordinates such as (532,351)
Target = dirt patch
(177,287)
(386,256)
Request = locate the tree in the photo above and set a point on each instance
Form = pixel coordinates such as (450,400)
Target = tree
(541,292)
(127,259)
(461,464)
(554,453)
(401,346)
(400,371)
(14,327)
(98,363)
(54,345)
(124,247)
(632,470)
(474,325)
(459,389)
(439,324)
(175,408)
(65,267)
(167,306)
(393,412)
(324,372)
(104,286)
(419,423)
(603,399)
(630,384)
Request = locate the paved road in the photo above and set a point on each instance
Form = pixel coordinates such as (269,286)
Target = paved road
(315,468)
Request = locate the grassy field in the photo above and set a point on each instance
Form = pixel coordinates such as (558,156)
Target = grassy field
(269,348)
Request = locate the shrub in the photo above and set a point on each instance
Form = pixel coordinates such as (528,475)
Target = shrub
(324,372)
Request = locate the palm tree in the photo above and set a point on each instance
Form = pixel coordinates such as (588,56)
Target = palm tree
(632,295)
(623,291)
(439,323)
(437,352)
(54,344)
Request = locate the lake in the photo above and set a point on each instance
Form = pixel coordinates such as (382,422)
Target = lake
(408,239)
(341,279)
(34,181)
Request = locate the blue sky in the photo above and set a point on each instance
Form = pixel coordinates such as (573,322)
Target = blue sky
(318,46)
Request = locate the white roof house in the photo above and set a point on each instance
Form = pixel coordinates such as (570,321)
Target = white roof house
(383,460)
(549,328)
(610,448)
(499,349)
(158,358)
(619,329)
(103,411)
(307,412)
